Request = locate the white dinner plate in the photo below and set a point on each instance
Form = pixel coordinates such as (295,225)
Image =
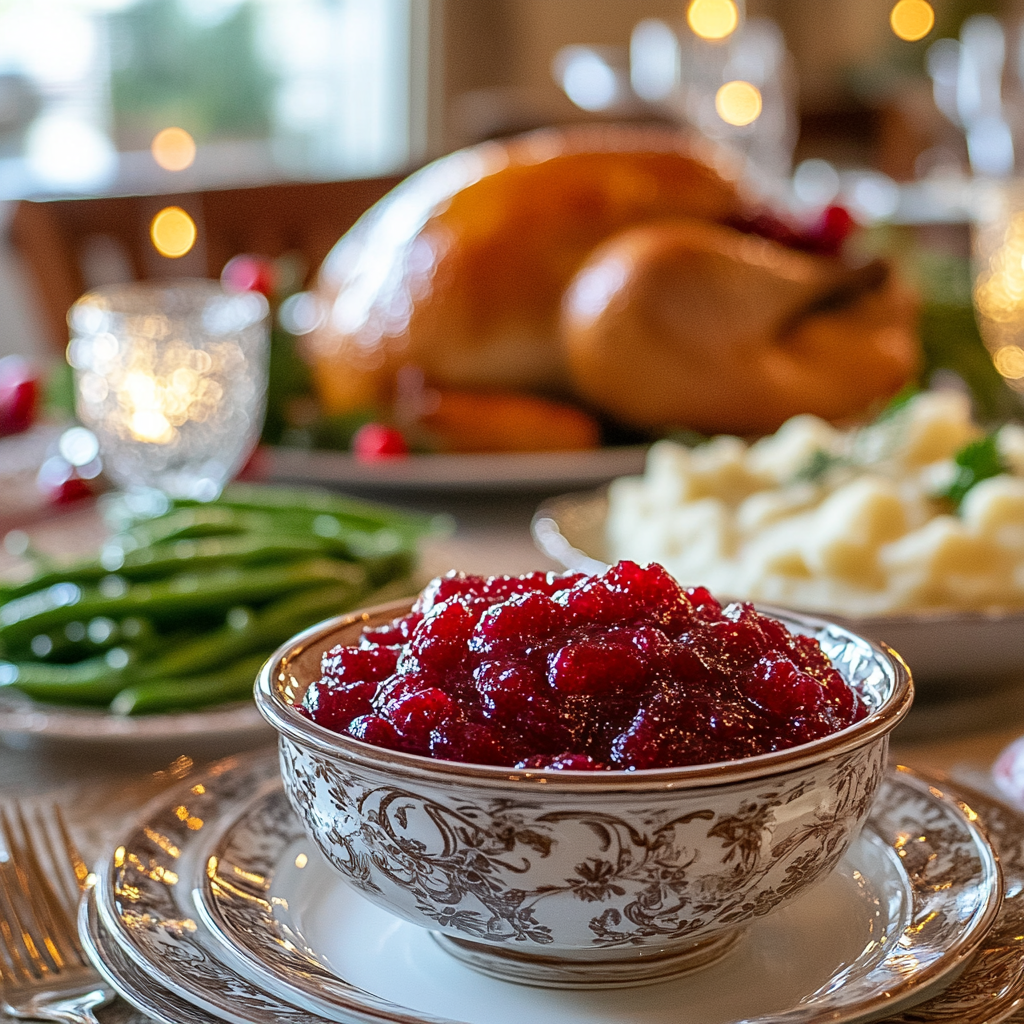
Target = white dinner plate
(496,473)
(944,650)
(916,895)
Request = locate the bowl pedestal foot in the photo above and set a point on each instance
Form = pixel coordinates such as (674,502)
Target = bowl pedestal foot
(621,967)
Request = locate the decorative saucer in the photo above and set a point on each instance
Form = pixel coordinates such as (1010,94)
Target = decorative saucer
(276,928)
(133,983)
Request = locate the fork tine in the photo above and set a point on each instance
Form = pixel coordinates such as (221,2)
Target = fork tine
(69,871)
(21,948)
(58,908)
(14,965)
(23,901)
(78,865)
(64,869)
(52,926)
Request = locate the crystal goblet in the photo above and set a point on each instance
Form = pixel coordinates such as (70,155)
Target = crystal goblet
(171,377)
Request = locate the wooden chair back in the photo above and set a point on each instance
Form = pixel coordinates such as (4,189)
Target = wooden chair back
(71,245)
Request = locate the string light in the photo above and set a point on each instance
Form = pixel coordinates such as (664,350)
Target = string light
(173,149)
(912,20)
(713,19)
(1009,361)
(738,103)
(173,232)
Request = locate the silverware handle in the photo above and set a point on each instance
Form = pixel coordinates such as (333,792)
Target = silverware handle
(76,1008)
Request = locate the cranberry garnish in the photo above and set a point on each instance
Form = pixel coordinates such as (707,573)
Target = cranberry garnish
(620,671)
(335,706)
(596,665)
(365,663)
(453,740)
(375,730)
(375,441)
(396,632)
(416,715)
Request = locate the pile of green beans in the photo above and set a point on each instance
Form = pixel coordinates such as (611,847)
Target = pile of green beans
(181,608)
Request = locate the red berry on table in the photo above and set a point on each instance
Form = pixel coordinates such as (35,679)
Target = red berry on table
(375,441)
(249,274)
(60,483)
(833,228)
(73,489)
(19,395)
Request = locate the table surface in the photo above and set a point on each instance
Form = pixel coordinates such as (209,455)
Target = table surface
(101,787)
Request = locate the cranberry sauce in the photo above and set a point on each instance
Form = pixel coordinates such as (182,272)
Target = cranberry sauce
(626,670)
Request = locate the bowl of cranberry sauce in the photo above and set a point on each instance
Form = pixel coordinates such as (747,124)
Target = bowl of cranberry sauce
(580,781)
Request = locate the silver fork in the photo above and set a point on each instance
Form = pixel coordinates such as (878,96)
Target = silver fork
(44,974)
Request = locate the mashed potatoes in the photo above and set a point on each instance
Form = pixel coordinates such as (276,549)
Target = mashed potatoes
(857,523)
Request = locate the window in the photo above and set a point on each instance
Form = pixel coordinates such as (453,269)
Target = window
(268,89)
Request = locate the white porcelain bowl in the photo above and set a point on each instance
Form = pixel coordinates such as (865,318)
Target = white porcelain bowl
(582,879)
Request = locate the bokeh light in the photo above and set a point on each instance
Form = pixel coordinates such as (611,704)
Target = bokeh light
(1009,361)
(173,149)
(713,19)
(738,103)
(173,232)
(912,20)
(587,79)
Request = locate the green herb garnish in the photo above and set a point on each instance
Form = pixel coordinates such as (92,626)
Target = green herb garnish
(975,462)
(687,438)
(818,465)
(898,401)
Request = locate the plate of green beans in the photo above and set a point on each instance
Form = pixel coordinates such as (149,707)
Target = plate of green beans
(161,633)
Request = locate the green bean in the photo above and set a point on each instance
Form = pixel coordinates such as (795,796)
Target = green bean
(166,559)
(79,640)
(177,596)
(230,683)
(161,590)
(93,681)
(361,514)
(264,629)
(244,549)
(186,524)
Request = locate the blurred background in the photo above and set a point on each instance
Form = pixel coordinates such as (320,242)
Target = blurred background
(854,106)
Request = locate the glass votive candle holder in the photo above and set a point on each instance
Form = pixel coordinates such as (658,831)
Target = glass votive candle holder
(171,377)
(998,244)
